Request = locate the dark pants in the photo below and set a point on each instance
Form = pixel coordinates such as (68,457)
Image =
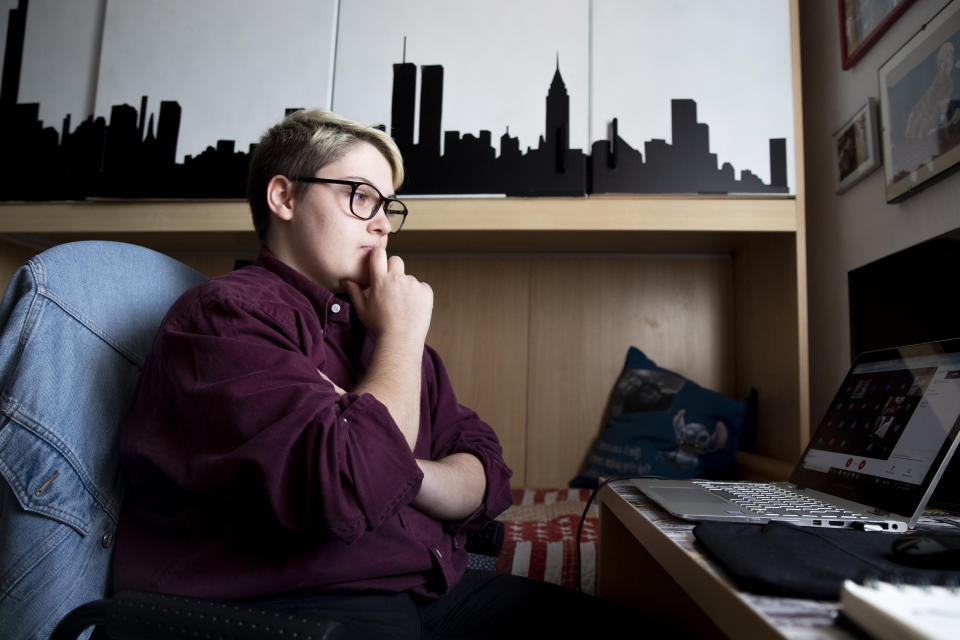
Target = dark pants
(482,605)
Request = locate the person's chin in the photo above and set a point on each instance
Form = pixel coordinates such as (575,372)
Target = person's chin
(362,277)
(363,282)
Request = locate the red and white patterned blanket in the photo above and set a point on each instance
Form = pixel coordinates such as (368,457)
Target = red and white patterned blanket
(540,537)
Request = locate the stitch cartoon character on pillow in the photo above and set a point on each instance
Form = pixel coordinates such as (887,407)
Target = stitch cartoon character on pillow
(693,440)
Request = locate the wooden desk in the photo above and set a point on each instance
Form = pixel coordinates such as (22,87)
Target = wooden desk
(650,560)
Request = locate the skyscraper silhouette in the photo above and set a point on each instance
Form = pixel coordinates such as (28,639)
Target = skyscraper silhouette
(168,131)
(431,110)
(469,163)
(557,130)
(685,165)
(403,107)
(778,162)
(13,55)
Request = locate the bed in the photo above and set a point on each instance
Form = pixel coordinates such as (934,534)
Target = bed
(540,538)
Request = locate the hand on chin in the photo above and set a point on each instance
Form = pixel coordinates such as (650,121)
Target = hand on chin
(361,279)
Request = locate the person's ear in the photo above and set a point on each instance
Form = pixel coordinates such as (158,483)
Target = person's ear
(280,197)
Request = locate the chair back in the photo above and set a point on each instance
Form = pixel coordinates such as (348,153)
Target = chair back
(76,323)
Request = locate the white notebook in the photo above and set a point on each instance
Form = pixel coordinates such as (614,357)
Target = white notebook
(903,612)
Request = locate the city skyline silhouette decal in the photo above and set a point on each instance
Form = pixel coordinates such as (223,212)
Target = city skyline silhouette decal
(133,154)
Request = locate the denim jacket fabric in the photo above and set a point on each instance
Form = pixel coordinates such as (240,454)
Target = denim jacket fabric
(76,323)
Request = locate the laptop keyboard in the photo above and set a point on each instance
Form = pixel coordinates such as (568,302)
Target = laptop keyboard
(775,501)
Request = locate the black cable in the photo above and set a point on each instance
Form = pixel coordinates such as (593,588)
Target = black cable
(583,517)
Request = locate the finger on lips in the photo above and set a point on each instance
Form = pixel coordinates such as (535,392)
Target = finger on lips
(378,260)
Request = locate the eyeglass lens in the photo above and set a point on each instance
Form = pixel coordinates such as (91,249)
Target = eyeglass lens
(365,201)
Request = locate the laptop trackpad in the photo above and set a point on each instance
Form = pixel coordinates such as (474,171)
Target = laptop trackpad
(685,495)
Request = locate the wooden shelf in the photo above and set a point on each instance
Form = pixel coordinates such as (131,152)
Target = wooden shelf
(596,213)
(605,213)
(125,217)
(595,224)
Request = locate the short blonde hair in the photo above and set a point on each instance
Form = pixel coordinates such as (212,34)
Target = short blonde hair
(300,145)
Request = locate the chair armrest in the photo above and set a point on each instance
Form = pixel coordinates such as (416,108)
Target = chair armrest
(140,615)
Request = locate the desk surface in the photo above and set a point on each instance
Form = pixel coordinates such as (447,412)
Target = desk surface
(737,614)
(650,559)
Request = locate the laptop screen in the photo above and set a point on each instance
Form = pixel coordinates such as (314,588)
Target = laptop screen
(892,424)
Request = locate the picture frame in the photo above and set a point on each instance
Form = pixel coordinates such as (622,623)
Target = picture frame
(920,107)
(856,147)
(863,22)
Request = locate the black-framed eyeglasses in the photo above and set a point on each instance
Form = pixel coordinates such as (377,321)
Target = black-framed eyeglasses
(366,200)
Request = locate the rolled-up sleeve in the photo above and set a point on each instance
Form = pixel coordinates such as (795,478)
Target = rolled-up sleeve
(458,429)
(383,472)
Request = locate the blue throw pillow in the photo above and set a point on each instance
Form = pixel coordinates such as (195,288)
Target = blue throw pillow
(658,423)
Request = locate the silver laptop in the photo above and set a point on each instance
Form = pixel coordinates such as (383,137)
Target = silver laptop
(873,462)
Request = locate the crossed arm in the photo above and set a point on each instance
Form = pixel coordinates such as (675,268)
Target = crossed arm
(397,309)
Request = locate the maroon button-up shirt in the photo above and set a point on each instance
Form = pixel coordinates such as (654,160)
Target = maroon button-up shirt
(248,474)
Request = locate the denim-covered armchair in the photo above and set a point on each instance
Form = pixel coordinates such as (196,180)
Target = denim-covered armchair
(76,323)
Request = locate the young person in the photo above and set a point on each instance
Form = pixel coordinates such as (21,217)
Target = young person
(295,443)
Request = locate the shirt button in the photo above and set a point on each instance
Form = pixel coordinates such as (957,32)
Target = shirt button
(335,307)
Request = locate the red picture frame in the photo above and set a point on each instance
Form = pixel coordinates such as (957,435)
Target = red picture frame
(862,22)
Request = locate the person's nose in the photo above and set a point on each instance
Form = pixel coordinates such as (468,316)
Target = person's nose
(378,223)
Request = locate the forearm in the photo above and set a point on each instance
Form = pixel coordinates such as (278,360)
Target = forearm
(452,487)
(396,308)
(394,378)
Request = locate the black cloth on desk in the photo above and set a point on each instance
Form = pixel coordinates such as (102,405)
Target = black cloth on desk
(804,562)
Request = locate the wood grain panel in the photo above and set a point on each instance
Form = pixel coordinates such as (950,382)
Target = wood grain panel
(586,312)
(479,327)
(767,335)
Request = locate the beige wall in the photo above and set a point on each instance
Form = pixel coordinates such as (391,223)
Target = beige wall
(854,228)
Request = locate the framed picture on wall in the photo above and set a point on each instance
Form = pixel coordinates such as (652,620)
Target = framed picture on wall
(862,22)
(920,106)
(856,147)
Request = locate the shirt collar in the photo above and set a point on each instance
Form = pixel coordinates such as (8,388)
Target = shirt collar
(329,308)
